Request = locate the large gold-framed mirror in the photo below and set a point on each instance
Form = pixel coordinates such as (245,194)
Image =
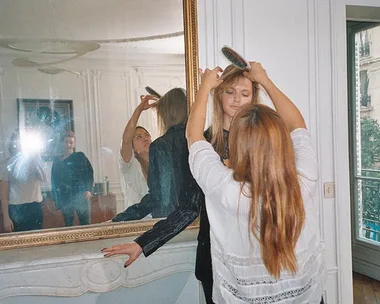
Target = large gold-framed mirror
(86,62)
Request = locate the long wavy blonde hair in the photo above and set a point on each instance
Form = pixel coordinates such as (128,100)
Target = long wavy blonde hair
(230,76)
(262,156)
(143,163)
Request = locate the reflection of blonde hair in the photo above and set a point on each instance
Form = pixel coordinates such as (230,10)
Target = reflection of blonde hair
(261,154)
(230,75)
(172,109)
(143,163)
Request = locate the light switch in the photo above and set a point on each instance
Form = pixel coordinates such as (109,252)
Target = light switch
(329,189)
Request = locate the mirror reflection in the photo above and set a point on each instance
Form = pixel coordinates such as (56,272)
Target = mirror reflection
(83,86)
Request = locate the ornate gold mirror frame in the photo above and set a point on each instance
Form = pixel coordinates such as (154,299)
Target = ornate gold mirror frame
(113,230)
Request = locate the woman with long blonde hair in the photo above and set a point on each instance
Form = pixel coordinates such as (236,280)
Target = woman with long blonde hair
(265,244)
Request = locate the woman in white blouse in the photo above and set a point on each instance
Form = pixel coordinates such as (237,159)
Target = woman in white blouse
(265,243)
(134,155)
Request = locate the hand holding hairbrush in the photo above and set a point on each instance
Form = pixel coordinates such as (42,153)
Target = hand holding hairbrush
(147,102)
(152,92)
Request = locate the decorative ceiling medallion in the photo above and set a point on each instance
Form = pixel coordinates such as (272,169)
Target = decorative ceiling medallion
(33,48)
(51,47)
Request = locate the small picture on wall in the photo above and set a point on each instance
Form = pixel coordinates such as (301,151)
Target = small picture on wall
(45,123)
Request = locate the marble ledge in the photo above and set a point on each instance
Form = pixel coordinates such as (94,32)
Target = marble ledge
(69,270)
(73,252)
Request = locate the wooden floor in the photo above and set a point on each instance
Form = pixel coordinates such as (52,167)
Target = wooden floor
(366,290)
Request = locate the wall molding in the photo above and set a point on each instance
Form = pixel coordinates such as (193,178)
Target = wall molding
(314,95)
(2,133)
(96,78)
(87,96)
(237,24)
(340,149)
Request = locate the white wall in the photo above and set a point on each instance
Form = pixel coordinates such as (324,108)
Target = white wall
(104,98)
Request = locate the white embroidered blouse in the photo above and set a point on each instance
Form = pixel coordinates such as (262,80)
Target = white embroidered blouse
(238,270)
(133,182)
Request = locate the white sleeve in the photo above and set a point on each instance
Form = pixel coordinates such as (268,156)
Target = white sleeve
(306,161)
(208,170)
(264,98)
(123,166)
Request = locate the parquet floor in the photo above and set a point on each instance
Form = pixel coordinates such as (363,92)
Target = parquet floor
(366,290)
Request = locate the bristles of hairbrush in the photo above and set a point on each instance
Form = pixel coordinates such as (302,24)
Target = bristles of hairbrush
(235,58)
(152,92)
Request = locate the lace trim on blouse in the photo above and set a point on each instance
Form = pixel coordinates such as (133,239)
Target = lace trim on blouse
(226,154)
(268,299)
(286,295)
(252,261)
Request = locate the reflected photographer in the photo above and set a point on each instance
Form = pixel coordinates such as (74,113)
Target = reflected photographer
(20,183)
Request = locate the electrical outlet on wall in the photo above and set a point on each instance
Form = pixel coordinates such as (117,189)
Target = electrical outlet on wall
(329,190)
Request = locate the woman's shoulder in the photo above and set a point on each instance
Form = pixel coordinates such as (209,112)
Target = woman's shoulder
(173,136)
(78,154)
(57,159)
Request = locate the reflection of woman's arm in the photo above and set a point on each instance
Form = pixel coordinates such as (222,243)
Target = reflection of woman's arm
(165,229)
(161,185)
(175,222)
(88,173)
(129,131)
(4,188)
(88,177)
(54,178)
(135,212)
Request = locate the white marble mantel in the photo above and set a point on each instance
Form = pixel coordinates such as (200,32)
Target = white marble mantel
(80,270)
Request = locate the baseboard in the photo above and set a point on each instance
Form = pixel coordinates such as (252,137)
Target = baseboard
(365,268)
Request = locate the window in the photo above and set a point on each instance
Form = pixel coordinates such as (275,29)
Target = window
(364,44)
(364,88)
(365,98)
